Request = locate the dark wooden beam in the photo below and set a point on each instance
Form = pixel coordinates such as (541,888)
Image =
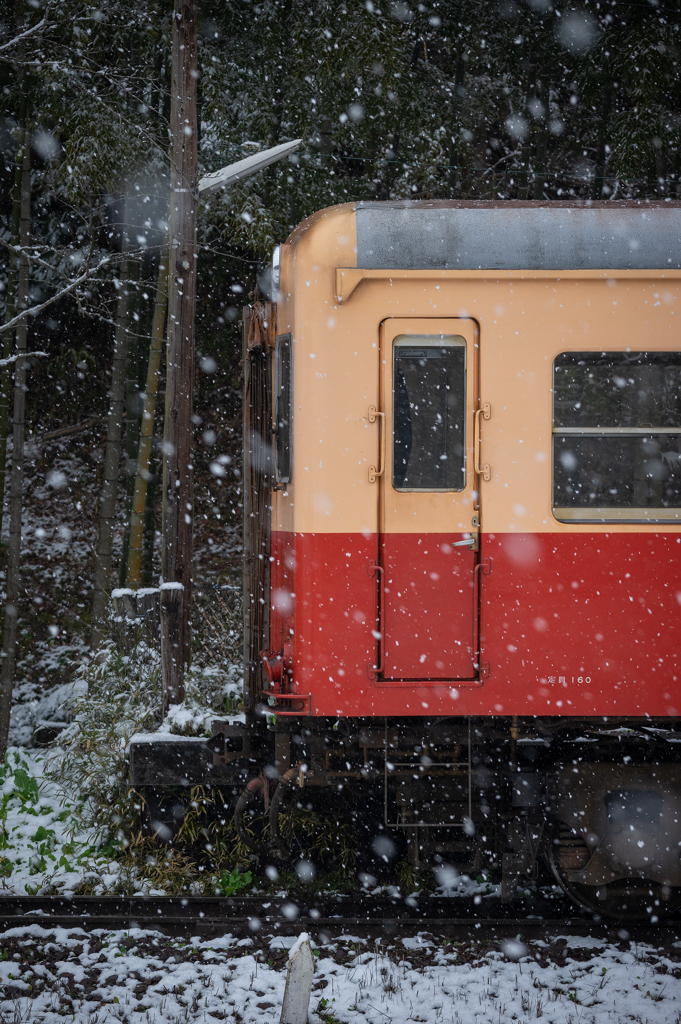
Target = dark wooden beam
(177,476)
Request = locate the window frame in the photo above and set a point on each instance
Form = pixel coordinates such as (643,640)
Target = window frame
(457,341)
(605,514)
(282,474)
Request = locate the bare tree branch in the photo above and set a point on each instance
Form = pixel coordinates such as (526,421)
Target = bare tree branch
(20,355)
(18,251)
(516,152)
(28,33)
(58,295)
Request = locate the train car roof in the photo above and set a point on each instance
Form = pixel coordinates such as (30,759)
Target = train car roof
(507,235)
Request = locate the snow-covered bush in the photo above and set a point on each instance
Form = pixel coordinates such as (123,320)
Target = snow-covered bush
(114,696)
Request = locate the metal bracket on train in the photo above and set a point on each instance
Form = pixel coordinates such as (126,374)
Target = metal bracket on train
(230,741)
(300,703)
(273,666)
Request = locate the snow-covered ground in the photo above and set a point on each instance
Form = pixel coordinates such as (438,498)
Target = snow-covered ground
(42,846)
(49,975)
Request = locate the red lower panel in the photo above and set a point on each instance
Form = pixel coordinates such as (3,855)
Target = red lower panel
(582,624)
(586,624)
(325,602)
(428,599)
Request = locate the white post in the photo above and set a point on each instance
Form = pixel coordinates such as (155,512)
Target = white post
(298,982)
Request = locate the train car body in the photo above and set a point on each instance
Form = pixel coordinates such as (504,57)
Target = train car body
(470,546)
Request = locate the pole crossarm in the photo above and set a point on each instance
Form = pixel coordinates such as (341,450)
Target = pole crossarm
(213,182)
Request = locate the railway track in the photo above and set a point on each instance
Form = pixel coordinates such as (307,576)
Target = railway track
(326,917)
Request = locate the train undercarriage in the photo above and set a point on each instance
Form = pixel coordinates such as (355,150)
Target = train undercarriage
(591,805)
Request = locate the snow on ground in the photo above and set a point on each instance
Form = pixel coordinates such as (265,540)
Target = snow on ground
(42,847)
(38,706)
(49,975)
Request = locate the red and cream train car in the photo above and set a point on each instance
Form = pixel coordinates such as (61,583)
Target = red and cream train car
(470,552)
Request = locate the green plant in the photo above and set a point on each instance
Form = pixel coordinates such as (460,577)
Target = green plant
(406,877)
(230,882)
(322,1007)
(22,789)
(25,787)
(46,841)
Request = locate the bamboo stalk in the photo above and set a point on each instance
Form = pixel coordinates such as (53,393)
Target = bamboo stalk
(147,576)
(112,459)
(9,651)
(147,431)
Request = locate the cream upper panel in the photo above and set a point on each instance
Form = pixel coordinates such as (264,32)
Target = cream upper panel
(524,323)
(333,364)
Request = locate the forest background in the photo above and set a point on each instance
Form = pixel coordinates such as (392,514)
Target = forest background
(453,99)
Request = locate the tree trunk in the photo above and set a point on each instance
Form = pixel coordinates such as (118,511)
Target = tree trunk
(9,651)
(147,432)
(112,460)
(178,489)
(10,310)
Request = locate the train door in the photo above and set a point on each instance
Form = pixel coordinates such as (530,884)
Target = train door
(428,502)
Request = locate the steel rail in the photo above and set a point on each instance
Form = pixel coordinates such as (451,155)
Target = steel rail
(326,917)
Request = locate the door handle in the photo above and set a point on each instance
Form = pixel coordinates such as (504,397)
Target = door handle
(471,542)
(375,473)
(481,468)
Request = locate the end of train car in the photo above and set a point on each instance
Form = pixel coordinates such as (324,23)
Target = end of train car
(462,523)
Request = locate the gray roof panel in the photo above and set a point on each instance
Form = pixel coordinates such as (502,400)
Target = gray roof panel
(518,236)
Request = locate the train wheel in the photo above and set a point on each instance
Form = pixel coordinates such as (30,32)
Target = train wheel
(628,899)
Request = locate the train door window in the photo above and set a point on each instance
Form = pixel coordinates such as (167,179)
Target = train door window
(617,436)
(429,397)
(283,408)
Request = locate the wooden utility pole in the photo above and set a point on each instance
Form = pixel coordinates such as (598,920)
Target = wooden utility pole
(9,646)
(178,497)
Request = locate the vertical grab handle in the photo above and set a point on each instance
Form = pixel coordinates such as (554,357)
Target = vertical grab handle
(378,571)
(375,473)
(481,468)
(483,568)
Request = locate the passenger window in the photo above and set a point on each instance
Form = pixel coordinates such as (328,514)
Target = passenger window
(617,436)
(283,407)
(429,397)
